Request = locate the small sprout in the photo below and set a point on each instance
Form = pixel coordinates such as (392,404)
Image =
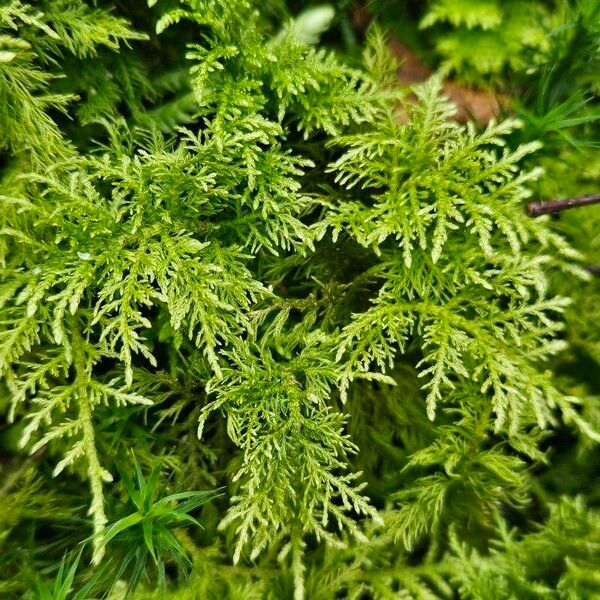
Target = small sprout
(147,532)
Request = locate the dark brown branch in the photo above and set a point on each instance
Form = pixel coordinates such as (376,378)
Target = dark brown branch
(593,269)
(536,209)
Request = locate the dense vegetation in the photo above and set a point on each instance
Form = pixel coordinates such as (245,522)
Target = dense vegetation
(274,325)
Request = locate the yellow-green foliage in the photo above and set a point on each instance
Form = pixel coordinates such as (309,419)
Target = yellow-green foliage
(482,38)
(272,327)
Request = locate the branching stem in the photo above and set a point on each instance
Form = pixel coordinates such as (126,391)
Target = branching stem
(96,474)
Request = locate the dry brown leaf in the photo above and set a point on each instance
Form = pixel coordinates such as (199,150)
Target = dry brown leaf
(471,103)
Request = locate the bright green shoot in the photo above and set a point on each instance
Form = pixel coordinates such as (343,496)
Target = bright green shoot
(63,583)
(148,531)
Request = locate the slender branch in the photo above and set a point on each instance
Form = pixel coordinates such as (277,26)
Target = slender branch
(593,269)
(536,209)
(96,474)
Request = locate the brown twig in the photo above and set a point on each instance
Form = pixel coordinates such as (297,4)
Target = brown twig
(593,269)
(536,209)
